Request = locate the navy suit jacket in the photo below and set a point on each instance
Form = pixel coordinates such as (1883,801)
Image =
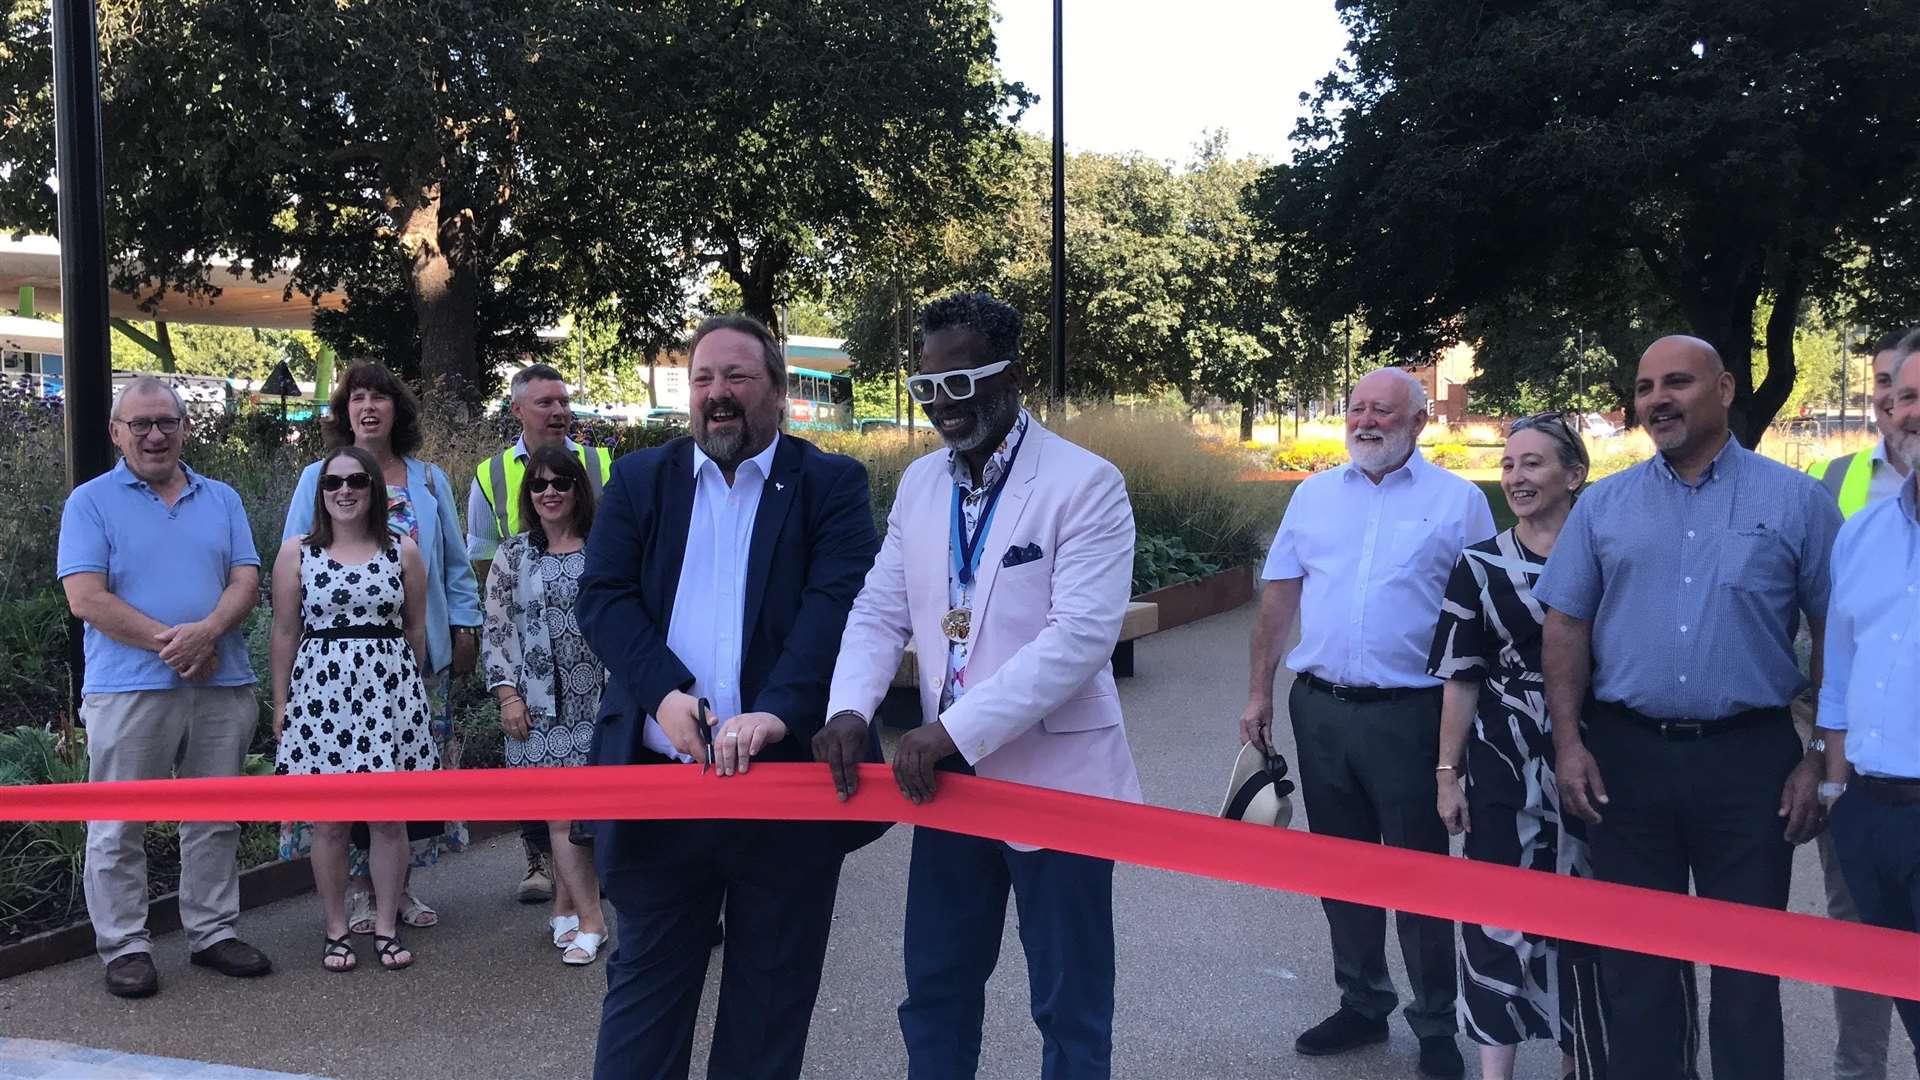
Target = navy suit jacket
(813,542)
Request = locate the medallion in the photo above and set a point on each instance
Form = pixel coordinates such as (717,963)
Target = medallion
(957,624)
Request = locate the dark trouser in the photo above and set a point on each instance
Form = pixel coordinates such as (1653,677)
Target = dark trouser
(777,885)
(533,835)
(1366,773)
(1878,844)
(956,911)
(1708,808)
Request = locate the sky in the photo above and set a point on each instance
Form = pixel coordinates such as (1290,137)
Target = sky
(1154,75)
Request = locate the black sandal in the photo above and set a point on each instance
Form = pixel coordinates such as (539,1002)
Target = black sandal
(341,947)
(388,948)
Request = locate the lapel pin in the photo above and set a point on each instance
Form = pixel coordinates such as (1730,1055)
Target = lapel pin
(778,486)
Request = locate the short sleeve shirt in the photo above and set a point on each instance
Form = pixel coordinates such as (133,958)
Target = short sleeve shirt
(1695,591)
(1375,559)
(169,563)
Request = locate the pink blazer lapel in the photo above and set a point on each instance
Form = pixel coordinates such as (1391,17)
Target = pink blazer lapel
(1006,519)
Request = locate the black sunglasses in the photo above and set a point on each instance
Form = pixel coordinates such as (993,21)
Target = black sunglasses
(561,484)
(334,481)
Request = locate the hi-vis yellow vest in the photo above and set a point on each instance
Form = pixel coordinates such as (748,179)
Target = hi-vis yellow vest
(1848,477)
(503,472)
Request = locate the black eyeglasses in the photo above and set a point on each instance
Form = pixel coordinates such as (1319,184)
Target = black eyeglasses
(561,484)
(358,481)
(140,426)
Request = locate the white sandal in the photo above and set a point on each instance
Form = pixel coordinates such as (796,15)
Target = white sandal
(359,912)
(415,913)
(584,943)
(566,930)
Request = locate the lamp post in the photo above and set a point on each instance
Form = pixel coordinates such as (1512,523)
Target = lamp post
(80,170)
(1058,398)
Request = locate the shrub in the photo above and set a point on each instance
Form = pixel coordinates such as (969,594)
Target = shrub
(1160,561)
(1451,455)
(1309,454)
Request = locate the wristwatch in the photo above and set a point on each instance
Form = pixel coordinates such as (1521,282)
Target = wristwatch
(1829,791)
(1817,744)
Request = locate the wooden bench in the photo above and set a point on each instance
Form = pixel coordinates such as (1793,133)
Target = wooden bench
(1141,619)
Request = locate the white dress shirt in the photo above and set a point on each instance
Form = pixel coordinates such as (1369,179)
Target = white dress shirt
(1872,673)
(1376,558)
(709,608)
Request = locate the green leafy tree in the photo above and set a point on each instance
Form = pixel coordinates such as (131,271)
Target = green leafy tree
(1462,155)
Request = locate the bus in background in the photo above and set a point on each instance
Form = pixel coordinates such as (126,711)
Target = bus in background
(817,399)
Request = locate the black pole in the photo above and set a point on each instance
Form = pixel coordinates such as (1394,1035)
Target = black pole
(1058,398)
(80,168)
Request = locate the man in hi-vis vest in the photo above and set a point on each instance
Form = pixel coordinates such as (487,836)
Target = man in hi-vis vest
(1856,481)
(545,411)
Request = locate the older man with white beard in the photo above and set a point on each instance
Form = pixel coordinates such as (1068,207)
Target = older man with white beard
(1362,556)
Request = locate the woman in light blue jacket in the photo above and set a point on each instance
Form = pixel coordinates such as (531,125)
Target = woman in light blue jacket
(373,410)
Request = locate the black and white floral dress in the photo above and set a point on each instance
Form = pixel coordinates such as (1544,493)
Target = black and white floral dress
(356,702)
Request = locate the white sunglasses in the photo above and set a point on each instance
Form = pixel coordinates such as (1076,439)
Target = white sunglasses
(959,385)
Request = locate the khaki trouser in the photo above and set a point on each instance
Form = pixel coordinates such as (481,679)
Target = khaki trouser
(153,735)
(1863,1020)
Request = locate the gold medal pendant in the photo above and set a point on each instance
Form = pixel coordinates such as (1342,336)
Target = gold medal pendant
(957,623)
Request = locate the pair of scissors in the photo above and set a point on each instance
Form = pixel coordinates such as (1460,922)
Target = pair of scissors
(706,733)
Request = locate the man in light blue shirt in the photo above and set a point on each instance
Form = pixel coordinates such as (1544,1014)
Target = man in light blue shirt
(1868,696)
(1362,555)
(1674,595)
(159,562)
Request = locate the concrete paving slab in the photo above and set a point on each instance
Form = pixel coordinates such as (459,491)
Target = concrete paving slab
(1215,980)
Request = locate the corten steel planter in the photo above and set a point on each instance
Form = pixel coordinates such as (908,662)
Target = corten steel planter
(1191,600)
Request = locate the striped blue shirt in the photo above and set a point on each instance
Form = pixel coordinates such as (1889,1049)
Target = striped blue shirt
(1695,591)
(1872,681)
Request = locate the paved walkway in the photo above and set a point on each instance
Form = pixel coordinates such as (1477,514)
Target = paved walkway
(1215,979)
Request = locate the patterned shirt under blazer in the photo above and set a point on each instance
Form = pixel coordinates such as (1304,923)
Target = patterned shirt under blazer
(1054,581)
(522,658)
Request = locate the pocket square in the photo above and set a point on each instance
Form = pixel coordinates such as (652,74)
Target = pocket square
(1018,556)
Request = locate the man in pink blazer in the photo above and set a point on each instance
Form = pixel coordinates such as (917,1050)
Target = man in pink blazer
(1008,562)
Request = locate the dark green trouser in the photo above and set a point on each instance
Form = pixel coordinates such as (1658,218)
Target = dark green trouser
(1366,773)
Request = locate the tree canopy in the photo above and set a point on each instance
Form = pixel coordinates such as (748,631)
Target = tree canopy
(1462,161)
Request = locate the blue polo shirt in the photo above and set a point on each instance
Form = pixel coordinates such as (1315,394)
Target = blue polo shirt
(169,563)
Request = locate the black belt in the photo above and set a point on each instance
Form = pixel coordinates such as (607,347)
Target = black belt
(1361,695)
(1890,790)
(1690,730)
(343,633)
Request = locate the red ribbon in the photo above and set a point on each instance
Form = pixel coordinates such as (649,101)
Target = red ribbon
(1756,939)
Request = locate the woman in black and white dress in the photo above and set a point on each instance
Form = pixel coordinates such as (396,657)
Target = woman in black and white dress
(1496,736)
(348,643)
(546,679)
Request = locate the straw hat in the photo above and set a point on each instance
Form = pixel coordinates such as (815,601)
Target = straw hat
(1259,788)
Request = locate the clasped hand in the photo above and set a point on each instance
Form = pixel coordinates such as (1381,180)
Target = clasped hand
(736,740)
(189,649)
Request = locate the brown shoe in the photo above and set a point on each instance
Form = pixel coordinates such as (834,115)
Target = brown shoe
(233,957)
(132,976)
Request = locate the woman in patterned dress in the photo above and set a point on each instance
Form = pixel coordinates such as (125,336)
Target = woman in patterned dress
(347,652)
(538,666)
(1494,724)
(374,411)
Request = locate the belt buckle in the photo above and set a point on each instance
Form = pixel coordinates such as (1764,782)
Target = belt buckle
(1683,729)
(1339,692)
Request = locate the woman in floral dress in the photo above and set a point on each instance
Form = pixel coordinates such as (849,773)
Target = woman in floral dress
(539,668)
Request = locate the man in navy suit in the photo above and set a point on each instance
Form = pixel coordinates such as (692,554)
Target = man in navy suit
(721,568)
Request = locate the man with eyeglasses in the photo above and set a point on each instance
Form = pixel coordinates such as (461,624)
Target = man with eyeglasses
(1673,597)
(159,562)
(1008,563)
(1362,556)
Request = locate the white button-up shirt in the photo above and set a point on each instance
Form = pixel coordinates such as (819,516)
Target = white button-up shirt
(1376,558)
(709,608)
(1872,676)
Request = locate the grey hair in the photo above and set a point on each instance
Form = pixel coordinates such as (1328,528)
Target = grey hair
(534,373)
(997,322)
(148,384)
(1904,351)
(1416,394)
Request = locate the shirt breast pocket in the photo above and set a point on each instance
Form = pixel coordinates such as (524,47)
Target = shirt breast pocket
(1758,561)
(1410,544)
